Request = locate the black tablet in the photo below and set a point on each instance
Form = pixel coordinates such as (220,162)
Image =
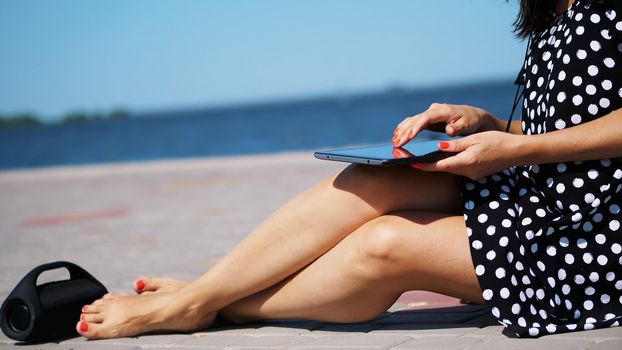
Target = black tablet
(387,155)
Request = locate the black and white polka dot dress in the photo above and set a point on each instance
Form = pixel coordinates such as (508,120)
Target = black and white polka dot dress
(546,239)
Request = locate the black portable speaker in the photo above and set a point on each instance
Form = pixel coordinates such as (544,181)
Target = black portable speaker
(49,311)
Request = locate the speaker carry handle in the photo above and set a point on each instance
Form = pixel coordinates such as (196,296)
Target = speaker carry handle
(75,272)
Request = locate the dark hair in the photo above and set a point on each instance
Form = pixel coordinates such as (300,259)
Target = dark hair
(532,16)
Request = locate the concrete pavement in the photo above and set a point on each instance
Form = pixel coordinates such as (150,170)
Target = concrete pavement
(176,218)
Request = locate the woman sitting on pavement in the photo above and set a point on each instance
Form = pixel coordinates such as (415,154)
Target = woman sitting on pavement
(526,222)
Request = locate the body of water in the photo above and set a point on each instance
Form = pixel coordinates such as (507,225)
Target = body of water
(261,128)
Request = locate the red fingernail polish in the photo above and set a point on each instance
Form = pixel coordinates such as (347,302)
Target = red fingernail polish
(84,308)
(443,145)
(416,165)
(139,285)
(84,327)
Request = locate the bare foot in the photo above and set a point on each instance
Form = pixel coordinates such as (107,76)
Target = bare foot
(116,316)
(158,284)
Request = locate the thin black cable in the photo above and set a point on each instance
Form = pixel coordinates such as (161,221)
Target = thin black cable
(520,87)
(519,90)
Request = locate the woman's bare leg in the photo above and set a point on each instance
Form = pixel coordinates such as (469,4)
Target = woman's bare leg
(314,222)
(294,236)
(367,271)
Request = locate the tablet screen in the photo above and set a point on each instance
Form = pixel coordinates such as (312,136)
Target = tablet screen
(386,154)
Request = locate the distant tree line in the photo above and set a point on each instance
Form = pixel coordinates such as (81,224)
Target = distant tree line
(28,119)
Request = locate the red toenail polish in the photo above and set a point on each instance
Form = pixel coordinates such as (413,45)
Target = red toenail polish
(84,308)
(140,285)
(443,145)
(82,317)
(84,327)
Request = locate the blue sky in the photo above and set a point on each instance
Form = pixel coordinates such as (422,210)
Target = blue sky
(92,55)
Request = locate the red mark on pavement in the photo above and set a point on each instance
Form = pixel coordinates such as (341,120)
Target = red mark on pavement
(74,217)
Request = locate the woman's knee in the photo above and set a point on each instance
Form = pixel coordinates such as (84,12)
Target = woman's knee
(379,248)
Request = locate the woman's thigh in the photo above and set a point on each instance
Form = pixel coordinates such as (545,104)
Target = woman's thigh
(400,188)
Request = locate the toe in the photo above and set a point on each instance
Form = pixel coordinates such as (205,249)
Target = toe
(158,284)
(91,309)
(141,284)
(91,330)
(83,329)
(92,318)
(148,284)
(113,296)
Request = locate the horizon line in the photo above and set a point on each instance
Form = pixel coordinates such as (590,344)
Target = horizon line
(252,103)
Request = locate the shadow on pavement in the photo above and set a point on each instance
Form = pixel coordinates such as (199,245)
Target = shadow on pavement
(467,316)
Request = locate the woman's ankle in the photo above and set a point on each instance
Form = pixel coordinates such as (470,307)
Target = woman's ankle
(190,304)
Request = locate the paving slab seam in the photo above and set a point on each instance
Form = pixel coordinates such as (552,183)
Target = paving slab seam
(400,342)
(314,347)
(603,340)
(561,337)
(444,336)
(259,348)
(595,340)
(237,347)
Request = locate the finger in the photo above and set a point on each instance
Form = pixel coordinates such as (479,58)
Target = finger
(443,165)
(396,137)
(410,130)
(454,145)
(454,164)
(450,130)
(421,123)
(433,117)
(402,125)
(403,133)
(396,133)
(458,126)
(423,166)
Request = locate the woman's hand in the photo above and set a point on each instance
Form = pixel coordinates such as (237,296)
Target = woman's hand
(451,119)
(480,154)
